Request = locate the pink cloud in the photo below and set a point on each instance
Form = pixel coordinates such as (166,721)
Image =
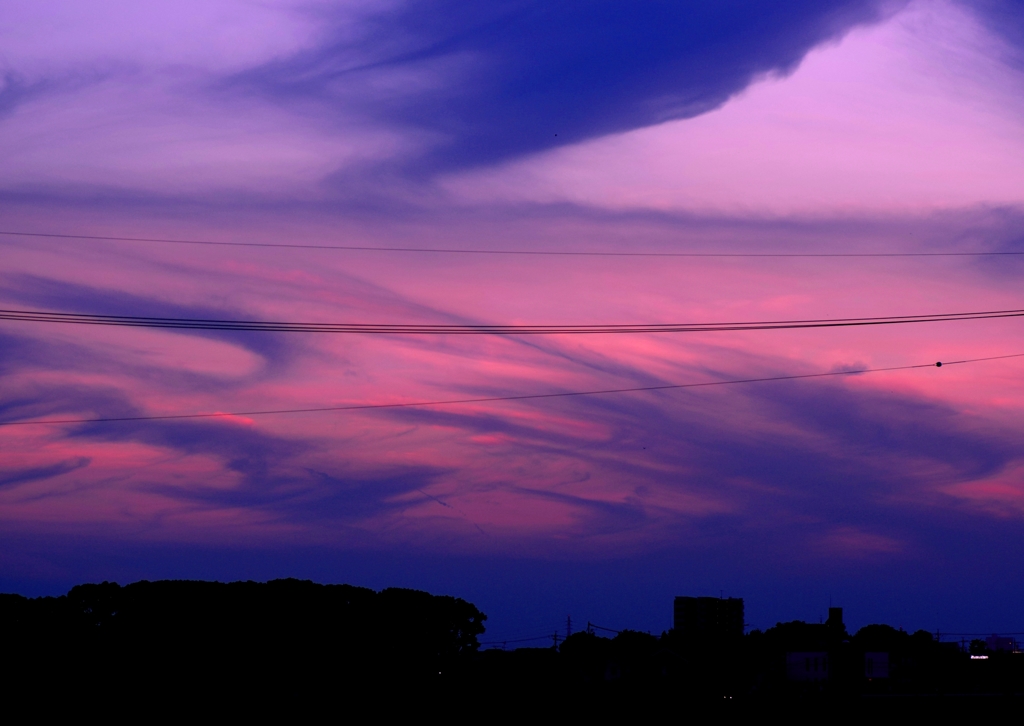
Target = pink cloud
(612,471)
(1001,496)
(855,543)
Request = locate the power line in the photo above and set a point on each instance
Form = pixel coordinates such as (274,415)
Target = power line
(134,321)
(478,251)
(491,399)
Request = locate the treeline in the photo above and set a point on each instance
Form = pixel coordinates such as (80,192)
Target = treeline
(791,660)
(292,641)
(194,636)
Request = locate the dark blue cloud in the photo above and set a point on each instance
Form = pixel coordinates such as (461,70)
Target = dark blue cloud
(308,496)
(21,87)
(21,354)
(13,92)
(257,456)
(16,90)
(63,296)
(815,451)
(875,426)
(38,400)
(1006,18)
(271,477)
(23,476)
(503,78)
(18,352)
(599,517)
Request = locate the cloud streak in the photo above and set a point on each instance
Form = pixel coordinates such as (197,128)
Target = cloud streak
(515,77)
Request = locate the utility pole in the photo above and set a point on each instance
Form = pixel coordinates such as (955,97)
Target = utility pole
(556,640)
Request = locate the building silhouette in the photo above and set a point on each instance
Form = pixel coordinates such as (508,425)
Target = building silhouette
(814,649)
(708,618)
(836,627)
(996,643)
(809,665)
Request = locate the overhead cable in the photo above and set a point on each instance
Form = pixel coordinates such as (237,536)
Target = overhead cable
(492,399)
(134,321)
(485,251)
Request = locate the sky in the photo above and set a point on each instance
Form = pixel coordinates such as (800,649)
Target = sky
(735,128)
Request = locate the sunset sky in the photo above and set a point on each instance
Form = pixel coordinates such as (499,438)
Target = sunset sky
(735,128)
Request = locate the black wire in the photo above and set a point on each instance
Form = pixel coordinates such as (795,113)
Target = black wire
(491,399)
(456,250)
(132,321)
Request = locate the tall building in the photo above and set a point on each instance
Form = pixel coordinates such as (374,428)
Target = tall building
(835,624)
(708,618)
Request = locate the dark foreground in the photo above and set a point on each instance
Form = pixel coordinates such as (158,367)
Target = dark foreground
(296,645)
